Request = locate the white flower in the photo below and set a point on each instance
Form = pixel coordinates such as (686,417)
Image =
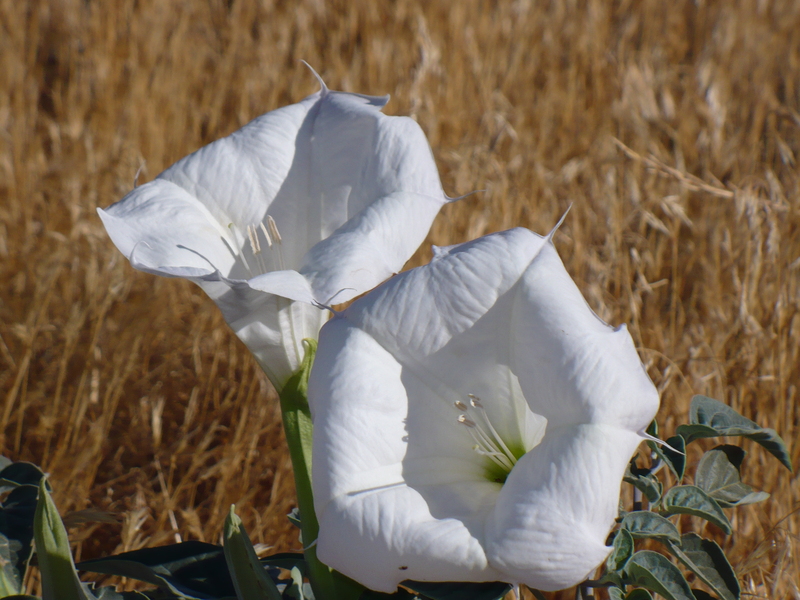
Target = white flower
(315,202)
(473,419)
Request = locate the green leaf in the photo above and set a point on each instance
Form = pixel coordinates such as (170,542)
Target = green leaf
(20,473)
(643,481)
(286,560)
(615,593)
(400,594)
(621,552)
(249,578)
(639,594)
(192,570)
(655,572)
(712,418)
(718,474)
(458,591)
(294,518)
(59,579)
(676,461)
(16,536)
(646,524)
(708,561)
(691,500)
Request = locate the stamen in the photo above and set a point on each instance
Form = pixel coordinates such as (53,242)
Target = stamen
(464,420)
(488,442)
(274,229)
(266,233)
(276,236)
(476,402)
(253,235)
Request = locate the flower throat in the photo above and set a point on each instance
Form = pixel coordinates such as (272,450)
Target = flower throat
(488,442)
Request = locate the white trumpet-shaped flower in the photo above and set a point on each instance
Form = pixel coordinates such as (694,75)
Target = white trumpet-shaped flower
(316,202)
(473,419)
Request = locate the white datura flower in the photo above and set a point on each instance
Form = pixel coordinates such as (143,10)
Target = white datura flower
(316,202)
(473,419)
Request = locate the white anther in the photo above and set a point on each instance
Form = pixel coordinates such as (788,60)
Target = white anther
(274,229)
(465,420)
(266,234)
(253,235)
(460,406)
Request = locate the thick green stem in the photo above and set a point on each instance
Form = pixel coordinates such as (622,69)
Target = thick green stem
(326,583)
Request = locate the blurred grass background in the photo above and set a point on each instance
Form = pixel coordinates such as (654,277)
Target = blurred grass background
(146,411)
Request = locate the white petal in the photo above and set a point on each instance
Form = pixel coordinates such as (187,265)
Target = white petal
(500,318)
(574,368)
(166,229)
(551,520)
(380,509)
(417,312)
(330,165)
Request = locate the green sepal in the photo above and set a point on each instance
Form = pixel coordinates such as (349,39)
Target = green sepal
(712,418)
(691,500)
(646,524)
(59,578)
(718,474)
(707,560)
(249,578)
(655,572)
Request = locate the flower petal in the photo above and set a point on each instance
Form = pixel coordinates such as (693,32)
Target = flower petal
(573,367)
(549,525)
(398,481)
(374,527)
(315,202)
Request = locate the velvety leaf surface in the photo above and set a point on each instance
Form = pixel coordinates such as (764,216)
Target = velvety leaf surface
(691,500)
(712,418)
(646,524)
(708,561)
(655,572)
(718,474)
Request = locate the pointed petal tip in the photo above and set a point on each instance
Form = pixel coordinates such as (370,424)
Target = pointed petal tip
(552,233)
(448,199)
(323,88)
(644,435)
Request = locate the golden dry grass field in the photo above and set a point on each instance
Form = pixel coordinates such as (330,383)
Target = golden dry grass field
(136,398)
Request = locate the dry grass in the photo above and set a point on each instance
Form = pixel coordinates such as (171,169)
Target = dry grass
(132,393)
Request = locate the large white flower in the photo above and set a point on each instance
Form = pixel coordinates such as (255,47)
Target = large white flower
(314,202)
(473,419)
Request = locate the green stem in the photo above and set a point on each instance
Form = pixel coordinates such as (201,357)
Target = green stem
(326,583)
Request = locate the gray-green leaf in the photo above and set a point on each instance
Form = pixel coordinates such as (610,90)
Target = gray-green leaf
(642,480)
(708,561)
(621,552)
(691,500)
(676,461)
(718,475)
(712,418)
(655,572)
(249,578)
(646,524)
(59,578)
